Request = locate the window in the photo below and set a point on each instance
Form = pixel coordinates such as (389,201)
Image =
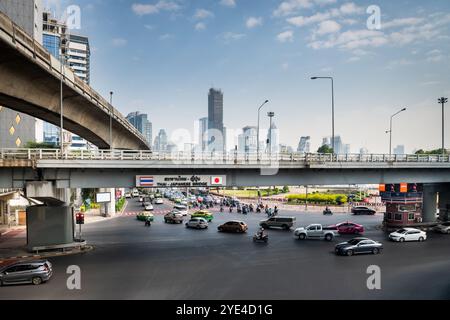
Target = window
(411,217)
(398,217)
(11,270)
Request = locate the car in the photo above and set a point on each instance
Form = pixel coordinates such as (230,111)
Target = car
(144,216)
(443,228)
(363,211)
(233,226)
(408,234)
(26,272)
(358,246)
(285,223)
(203,214)
(197,223)
(314,231)
(174,217)
(135,193)
(128,195)
(182,209)
(159,201)
(347,228)
(149,207)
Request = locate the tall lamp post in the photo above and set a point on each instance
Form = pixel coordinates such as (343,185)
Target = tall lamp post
(443,101)
(257,134)
(110,120)
(390,130)
(270,115)
(332,110)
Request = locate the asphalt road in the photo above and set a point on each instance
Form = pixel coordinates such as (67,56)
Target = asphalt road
(131,261)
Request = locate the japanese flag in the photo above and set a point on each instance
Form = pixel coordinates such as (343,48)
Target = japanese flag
(216,181)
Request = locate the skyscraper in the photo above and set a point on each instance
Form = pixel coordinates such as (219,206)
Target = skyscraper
(141,123)
(202,134)
(247,141)
(304,145)
(216,138)
(79,57)
(16,129)
(273,139)
(399,150)
(161,141)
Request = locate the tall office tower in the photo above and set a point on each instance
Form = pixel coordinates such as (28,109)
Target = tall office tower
(399,150)
(16,128)
(304,145)
(141,123)
(247,141)
(216,137)
(79,57)
(326,142)
(273,139)
(202,134)
(161,141)
(338,145)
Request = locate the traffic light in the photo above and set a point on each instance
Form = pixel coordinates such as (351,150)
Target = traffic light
(80,218)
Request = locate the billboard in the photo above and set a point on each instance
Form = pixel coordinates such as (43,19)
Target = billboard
(184,181)
(103,197)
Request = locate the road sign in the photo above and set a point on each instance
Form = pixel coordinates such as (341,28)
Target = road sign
(184,181)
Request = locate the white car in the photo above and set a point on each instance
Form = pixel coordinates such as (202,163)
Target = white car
(159,201)
(148,207)
(443,228)
(197,223)
(182,209)
(408,234)
(128,195)
(141,199)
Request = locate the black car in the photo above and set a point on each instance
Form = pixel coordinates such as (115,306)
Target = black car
(358,246)
(363,211)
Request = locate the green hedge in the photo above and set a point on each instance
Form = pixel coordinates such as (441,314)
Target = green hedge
(319,198)
(119,204)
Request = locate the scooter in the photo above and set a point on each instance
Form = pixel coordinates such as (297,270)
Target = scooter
(259,238)
(327,212)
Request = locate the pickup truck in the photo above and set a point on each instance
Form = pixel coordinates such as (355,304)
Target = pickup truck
(315,231)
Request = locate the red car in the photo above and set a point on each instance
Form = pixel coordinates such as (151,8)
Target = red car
(348,228)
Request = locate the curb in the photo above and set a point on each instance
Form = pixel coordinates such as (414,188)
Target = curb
(86,249)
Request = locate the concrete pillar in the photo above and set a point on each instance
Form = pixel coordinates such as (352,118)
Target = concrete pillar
(46,189)
(429,203)
(444,203)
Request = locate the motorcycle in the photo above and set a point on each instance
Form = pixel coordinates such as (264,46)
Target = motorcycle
(258,210)
(261,238)
(327,212)
(221,209)
(231,209)
(148,223)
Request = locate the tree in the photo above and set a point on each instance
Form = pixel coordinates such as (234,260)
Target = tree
(39,145)
(432,152)
(325,150)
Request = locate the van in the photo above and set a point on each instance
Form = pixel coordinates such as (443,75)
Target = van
(285,223)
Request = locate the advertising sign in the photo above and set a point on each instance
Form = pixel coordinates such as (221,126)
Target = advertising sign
(104,197)
(185,181)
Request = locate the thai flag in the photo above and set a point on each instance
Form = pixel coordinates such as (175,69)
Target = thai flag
(146,181)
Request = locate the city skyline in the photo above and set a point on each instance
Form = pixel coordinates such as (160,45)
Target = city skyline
(418,65)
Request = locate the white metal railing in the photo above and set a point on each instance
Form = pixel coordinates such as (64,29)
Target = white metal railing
(215,158)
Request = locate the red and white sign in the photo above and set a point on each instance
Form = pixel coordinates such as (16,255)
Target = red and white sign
(217,181)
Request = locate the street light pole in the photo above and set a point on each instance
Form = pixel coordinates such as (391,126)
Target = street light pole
(390,130)
(110,120)
(332,111)
(270,115)
(443,101)
(257,134)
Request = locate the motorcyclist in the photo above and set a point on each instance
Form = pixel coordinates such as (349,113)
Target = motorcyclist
(148,222)
(221,208)
(261,233)
(275,211)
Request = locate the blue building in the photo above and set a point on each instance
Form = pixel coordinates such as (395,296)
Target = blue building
(142,124)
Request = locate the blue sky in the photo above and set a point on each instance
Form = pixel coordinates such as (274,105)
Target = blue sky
(161,57)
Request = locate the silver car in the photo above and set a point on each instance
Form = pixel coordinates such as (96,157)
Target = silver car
(197,223)
(33,272)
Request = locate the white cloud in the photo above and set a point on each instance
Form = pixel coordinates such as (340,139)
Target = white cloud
(142,9)
(203,14)
(200,26)
(253,22)
(344,10)
(286,36)
(119,42)
(231,36)
(402,22)
(327,27)
(166,36)
(228,3)
(289,7)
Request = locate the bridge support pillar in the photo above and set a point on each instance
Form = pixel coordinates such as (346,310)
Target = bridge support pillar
(429,202)
(444,203)
(46,189)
